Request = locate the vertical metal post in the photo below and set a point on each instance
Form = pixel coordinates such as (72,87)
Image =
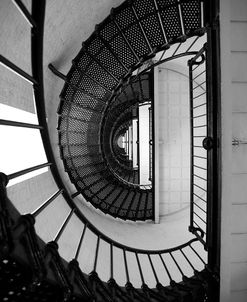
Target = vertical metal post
(138,141)
(166,269)
(80,242)
(140,269)
(150,143)
(191,147)
(46,203)
(177,265)
(126,266)
(111,261)
(66,221)
(132,142)
(23,10)
(154,88)
(211,9)
(153,269)
(213,198)
(96,254)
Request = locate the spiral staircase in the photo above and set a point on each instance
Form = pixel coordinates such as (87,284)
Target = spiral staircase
(109,78)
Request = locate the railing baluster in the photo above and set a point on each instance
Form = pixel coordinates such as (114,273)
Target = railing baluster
(111,259)
(199,95)
(187,259)
(46,203)
(200,208)
(177,48)
(200,218)
(160,59)
(25,171)
(203,189)
(181,18)
(166,269)
(17,70)
(140,269)
(199,75)
(202,14)
(23,10)
(196,224)
(197,254)
(176,263)
(192,44)
(199,197)
(19,124)
(203,104)
(66,221)
(126,266)
(96,254)
(160,21)
(153,269)
(80,242)
(146,205)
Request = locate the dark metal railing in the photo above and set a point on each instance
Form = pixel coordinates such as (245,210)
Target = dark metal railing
(178,256)
(200,144)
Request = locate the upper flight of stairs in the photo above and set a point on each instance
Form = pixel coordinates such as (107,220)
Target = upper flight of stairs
(97,85)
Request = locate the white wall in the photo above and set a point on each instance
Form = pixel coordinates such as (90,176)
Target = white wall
(144,144)
(15,46)
(174,137)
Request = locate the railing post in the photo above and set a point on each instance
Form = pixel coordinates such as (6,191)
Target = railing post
(126,267)
(66,221)
(28,170)
(6,242)
(22,8)
(191,148)
(11,66)
(80,242)
(46,203)
(96,254)
(111,262)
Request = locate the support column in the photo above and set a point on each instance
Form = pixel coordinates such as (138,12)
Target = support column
(156,146)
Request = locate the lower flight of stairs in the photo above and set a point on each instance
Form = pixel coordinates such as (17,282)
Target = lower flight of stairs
(31,270)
